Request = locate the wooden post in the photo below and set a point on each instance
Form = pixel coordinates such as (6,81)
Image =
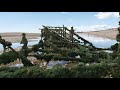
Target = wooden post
(119,34)
(65,31)
(71,34)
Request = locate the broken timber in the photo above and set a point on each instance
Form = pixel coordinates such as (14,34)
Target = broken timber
(62,33)
(24,59)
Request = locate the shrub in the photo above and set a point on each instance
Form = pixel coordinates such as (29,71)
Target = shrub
(8,57)
(81,70)
(58,72)
(90,71)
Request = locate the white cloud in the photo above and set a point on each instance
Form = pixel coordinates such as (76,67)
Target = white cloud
(92,28)
(105,15)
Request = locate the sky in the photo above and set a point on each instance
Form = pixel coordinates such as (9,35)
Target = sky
(30,22)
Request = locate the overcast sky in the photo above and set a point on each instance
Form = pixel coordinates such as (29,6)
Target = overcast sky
(81,21)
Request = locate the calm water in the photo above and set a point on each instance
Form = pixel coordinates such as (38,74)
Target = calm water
(97,41)
(16,45)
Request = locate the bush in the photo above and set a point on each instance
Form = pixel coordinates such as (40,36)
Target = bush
(20,73)
(90,71)
(4,68)
(6,75)
(81,70)
(58,72)
(8,57)
(35,72)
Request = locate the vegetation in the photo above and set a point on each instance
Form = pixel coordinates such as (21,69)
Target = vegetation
(8,57)
(91,62)
(81,70)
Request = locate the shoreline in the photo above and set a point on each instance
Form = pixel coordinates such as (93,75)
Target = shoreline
(101,36)
(109,34)
(17,37)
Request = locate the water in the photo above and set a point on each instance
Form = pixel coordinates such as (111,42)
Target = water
(16,45)
(99,41)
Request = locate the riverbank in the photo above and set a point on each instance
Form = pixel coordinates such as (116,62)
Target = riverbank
(16,37)
(110,34)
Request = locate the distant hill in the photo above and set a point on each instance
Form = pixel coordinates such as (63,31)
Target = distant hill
(110,33)
(16,37)
(14,34)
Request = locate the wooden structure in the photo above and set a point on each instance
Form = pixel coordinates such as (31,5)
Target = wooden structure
(64,34)
(60,43)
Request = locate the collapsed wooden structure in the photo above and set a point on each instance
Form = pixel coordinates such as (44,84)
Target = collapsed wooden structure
(60,43)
